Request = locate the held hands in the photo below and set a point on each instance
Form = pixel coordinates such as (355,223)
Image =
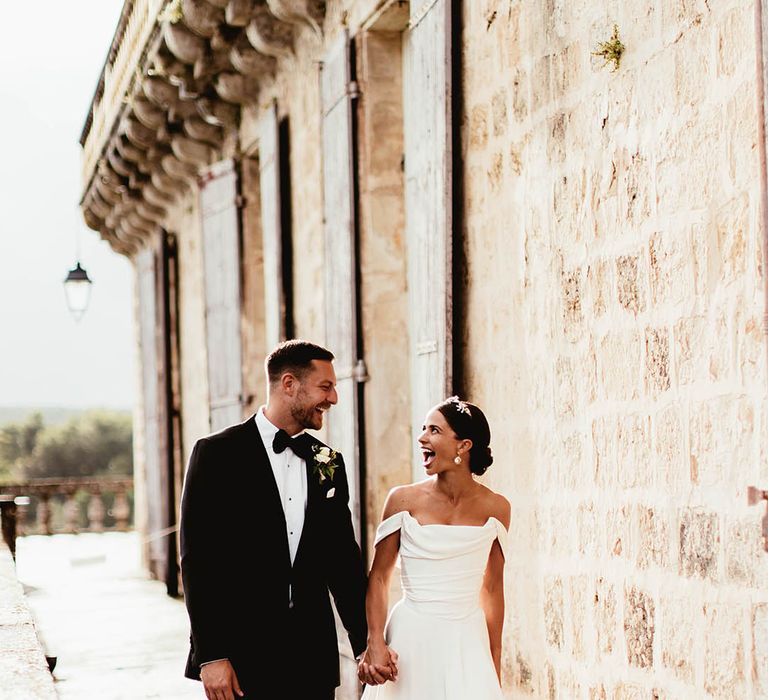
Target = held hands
(220,681)
(378,665)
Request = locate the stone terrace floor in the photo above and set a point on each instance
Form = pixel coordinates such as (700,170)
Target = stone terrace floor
(116,634)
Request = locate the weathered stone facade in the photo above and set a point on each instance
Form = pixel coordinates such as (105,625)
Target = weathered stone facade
(607,299)
(616,212)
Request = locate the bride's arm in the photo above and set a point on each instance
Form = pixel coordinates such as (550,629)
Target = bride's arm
(492,599)
(379,663)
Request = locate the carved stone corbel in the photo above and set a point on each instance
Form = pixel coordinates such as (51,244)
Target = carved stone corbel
(218,112)
(165,184)
(221,4)
(269,35)
(150,211)
(108,193)
(119,164)
(179,169)
(211,63)
(190,151)
(224,37)
(92,221)
(150,115)
(237,88)
(196,128)
(248,61)
(238,12)
(129,151)
(308,12)
(182,43)
(201,17)
(160,92)
(157,197)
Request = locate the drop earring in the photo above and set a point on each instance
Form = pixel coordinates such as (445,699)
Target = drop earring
(457,459)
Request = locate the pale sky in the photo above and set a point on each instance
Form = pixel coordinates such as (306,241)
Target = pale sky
(50,60)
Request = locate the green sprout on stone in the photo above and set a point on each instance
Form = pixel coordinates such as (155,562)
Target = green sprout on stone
(172,12)
(612,50)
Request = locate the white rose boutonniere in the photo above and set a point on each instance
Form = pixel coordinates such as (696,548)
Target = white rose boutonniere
(325,462)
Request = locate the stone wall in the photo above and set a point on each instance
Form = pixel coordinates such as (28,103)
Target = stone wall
(612,248)
(23,669)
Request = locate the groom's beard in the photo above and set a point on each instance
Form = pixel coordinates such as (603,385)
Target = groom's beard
(307,416)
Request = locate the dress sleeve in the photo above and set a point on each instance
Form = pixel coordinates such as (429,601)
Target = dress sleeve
(392,524)
(502,536)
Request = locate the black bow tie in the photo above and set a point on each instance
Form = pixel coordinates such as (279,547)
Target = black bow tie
(300,444)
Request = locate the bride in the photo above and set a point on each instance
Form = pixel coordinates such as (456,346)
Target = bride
(442,640)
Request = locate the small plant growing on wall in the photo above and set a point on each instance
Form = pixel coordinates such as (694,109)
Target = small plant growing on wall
(611,51)
(172,12)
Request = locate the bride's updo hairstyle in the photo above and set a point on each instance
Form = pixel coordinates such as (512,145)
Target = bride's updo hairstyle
(469,423)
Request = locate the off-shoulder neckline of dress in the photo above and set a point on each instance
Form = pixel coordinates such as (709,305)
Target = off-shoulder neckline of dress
(405,512)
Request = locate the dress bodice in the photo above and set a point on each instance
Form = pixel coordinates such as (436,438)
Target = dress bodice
(442,566)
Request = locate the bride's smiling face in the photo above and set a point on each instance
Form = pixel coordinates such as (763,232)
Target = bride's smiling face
(439,444)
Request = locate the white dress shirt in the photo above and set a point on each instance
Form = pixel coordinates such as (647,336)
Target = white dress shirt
(290,472)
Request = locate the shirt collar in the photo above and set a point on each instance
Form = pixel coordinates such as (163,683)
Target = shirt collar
(267,429)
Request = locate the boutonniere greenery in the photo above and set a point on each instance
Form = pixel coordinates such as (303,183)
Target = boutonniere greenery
(325,461)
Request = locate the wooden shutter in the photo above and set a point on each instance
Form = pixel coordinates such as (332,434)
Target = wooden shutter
(428,196)
(337,91)
(151,314)
(271,203)
(221,258)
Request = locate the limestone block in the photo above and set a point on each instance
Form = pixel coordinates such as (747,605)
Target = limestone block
(570,287)
(597,692)
(618,529)
(626,691)
(699,544)
(605,617)
(599,286)
(478,127)
(654,545)
(571,473)
(745,559)
(587,529)
(499,112)
(580,594)
(522,674)
(760,649)
(619,364)
(735,30)
(690,350)
(678,636)
(732,227)
(633,458)
(724,651)
(671,467)
(557,137)
(657,379)
(670,272)
(565,388)
(553,611)
(631,286)
(750,349)
(639,627)
(603,451)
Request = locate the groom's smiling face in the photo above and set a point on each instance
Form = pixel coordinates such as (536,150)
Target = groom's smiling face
(315,394)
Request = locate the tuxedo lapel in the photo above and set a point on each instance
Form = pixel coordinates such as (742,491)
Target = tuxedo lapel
(265,478)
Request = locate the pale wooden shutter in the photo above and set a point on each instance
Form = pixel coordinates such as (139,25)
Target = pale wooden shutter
(271,203)
(153,379)
(221,257)
(428,195)
(337,90)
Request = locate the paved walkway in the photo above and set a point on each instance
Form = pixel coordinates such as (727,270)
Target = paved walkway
(116,634)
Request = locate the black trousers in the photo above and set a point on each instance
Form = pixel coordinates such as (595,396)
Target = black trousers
(290,693)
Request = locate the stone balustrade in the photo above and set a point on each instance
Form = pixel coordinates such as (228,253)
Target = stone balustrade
(52,506)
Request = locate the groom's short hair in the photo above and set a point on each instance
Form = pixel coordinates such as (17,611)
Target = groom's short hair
(294,356)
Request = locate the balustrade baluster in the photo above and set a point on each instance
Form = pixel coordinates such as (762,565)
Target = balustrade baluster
(71,511)
(44,513)
(121,508)
(96,510)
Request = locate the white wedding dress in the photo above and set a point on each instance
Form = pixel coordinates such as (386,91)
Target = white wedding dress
(438,628)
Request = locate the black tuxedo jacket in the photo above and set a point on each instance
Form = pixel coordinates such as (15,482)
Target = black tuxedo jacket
(237,571)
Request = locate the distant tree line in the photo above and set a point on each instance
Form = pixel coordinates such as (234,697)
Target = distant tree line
(93,443)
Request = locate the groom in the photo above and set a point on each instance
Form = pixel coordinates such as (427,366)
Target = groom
(266,533)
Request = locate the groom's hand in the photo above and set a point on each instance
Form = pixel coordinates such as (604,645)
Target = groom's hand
(220,681)
(378,666)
